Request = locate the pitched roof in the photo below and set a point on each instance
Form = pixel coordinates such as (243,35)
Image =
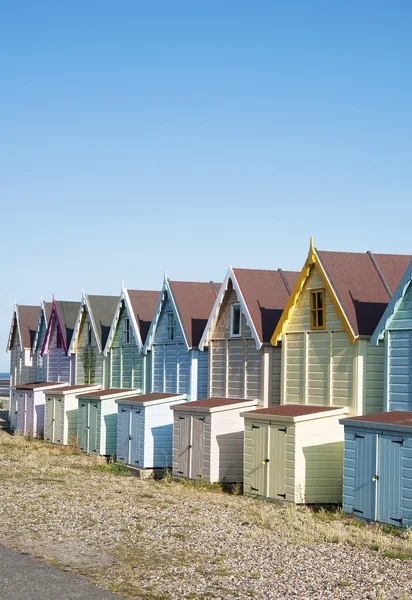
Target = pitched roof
(194,301)
(360,287)
(265,294)
(68,315)
(103,309)
(28,317)
(144,305)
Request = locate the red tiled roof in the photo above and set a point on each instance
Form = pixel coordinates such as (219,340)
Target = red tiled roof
(37,384)
(293,410)
(391,418)
(359,286)
(194,302)
(102,393)
(144,304)
(265,295)
(212,403)
(149,397)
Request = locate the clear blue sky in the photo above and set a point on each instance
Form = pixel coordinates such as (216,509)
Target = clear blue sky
(187,136)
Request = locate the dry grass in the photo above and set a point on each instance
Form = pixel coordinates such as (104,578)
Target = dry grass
(163,539)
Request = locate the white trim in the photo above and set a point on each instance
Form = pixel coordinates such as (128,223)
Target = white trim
(232,307)
(210,325)
(73,342)
(392,307)
(124,297)
(194,371)
(153,325)
(41,314)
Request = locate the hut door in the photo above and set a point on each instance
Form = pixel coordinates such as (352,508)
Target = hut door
(123,419)
(183,457)
(21,413)
(197,445)
(57,422)
(277,459)
(48,420)
(365,475)
(93,427)
(14,409)
(83,426)
(389,482)
(260,458)
(136,422)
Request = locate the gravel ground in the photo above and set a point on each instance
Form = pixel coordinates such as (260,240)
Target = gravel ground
(164,540)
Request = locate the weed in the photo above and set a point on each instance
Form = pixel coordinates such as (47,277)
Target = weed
(117,468)
(401,554)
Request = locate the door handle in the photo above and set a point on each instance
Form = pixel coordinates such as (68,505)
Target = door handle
(375,478)
(188,447)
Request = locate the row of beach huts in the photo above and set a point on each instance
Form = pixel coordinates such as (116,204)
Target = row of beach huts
(299,385)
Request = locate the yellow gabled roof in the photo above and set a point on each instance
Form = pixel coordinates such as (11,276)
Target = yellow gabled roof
(312,260)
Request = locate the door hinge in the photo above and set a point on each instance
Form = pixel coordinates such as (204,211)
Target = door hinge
(180,472)
(58,441)
(358,511)
(282,496)
(397,520)
(254,489)
(182,418)
(255,427)
(124,410)
(138,412)
(284,430)
(401,442)
(359,436)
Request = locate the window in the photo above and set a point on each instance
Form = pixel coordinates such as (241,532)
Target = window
(89,333)
(317,309)
(59,338)
(170,326)
(235,316)
(126,330)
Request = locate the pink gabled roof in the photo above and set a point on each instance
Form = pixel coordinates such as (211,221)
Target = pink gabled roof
(144,304)
(265,295)
(194,302)
(359,286)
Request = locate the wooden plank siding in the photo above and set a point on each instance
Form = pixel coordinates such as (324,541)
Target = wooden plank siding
(235,362)
(90,363)
(317,365)
(126,363)
(41,361)
(60,367)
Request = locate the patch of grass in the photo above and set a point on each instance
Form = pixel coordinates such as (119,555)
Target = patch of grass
(391,529)
(401,554)
(117,468)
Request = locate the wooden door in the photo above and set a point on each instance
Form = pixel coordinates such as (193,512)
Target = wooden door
(123,424)
(83,429)
(21,413)
(48,419)
(365,475)
(260,458)
(196,451)
(183,452)
(135,433)
(57,422)
(277,462)
(390,448)
(94,427)
(13,413)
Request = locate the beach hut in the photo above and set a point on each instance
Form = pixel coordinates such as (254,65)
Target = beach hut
(377,476)
(41,361)
(208,439)
(325,330)
(145,430)
(60,366)
(97,420)
(30,407)
(128,366)
(89,338)
(243,363)
(20,346)
(294,453)
(60,412)
(172,344)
